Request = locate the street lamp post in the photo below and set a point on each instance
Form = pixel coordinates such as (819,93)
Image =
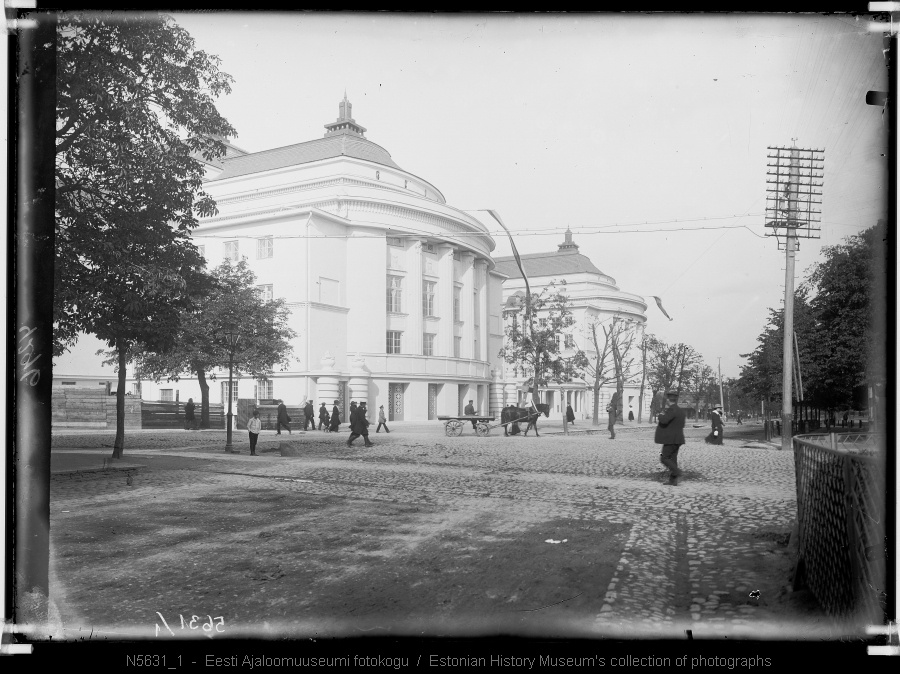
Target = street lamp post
(232,338)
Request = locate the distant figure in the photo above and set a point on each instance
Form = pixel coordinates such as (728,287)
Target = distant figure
(470,412)
(843,419)
(670,434)
(189,421)
(740,417)
(570,415)
(283,418)
(323,417)
(254,427)
(309,413)
(612,413)
(359,425)
(715,437)
(382,421)
(630,415)
(335,417)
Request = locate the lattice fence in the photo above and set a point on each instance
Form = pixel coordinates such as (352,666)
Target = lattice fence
(840,510)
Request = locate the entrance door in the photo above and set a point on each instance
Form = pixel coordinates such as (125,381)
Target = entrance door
(432,401)
(395,391)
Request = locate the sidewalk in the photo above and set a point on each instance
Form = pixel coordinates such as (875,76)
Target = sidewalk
(88,461)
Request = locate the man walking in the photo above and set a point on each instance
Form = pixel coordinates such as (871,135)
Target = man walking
(309,416)
(254,427)
(323,417)
(470,412)
(382,421)
(283,419)
(359,425)
(718,427)
(613,412)
(670,434)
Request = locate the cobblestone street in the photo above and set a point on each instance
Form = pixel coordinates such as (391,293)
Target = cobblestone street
(709,555)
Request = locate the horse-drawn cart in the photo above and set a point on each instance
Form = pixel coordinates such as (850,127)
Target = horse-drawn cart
(453,426)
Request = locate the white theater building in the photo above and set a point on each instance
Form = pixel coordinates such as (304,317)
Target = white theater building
(593,298)
(392,292)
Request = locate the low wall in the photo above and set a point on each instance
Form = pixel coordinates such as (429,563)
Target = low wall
(83,407)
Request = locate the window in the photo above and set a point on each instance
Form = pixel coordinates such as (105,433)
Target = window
(264,247)
(570,342)
(395,294)
(136,389)
(263,390)
(393,342)
(68,383)
(167,394)
(542,322)
(428,247)
(234,392)
(457,301)
(428,298)
(457,346)
(230,250)
(202,251)
(395,241)
(428,344)
(265,292)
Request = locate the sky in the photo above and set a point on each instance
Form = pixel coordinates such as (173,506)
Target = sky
(646,135)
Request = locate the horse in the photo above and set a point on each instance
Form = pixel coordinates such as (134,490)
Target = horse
(512,415)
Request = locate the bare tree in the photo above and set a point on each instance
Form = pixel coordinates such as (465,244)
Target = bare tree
(612,339)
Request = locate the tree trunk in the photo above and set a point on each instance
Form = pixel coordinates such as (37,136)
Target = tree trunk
(204,397)
(597,401)
(119,444)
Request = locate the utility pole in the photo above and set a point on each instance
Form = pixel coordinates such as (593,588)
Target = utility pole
(792,192)
(643,376)
(721,395)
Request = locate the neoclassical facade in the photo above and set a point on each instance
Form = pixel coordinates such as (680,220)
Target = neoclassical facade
(393,292)
(594,298)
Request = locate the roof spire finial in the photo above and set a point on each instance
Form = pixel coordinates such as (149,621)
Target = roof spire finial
(568,244)
(345,123)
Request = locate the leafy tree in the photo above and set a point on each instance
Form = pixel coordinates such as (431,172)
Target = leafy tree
(134,109)
(533,343)
(233,302)
(701,386)
(668,365)
(847,291)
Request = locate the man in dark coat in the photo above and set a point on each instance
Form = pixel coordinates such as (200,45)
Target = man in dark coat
(718,428)
(570,415)
(335,417)
(470,412)
(323,417)
(359,425)
(283,419)
(309,414)
(612,411)
(190,421)
(670,434)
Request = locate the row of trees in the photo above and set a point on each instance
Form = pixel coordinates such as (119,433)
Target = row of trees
(536,346)
(840,328)
(135,113)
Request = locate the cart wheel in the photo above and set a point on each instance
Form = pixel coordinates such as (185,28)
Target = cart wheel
(482,429)
(454,428)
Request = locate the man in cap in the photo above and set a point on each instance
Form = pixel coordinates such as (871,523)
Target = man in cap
(670,434)
(717,426)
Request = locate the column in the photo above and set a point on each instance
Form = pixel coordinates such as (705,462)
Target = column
(483,298)
(413,300)
(467,308)
(327,383)
(444,346)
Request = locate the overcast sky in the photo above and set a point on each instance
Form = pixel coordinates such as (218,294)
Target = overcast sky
(593,122)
